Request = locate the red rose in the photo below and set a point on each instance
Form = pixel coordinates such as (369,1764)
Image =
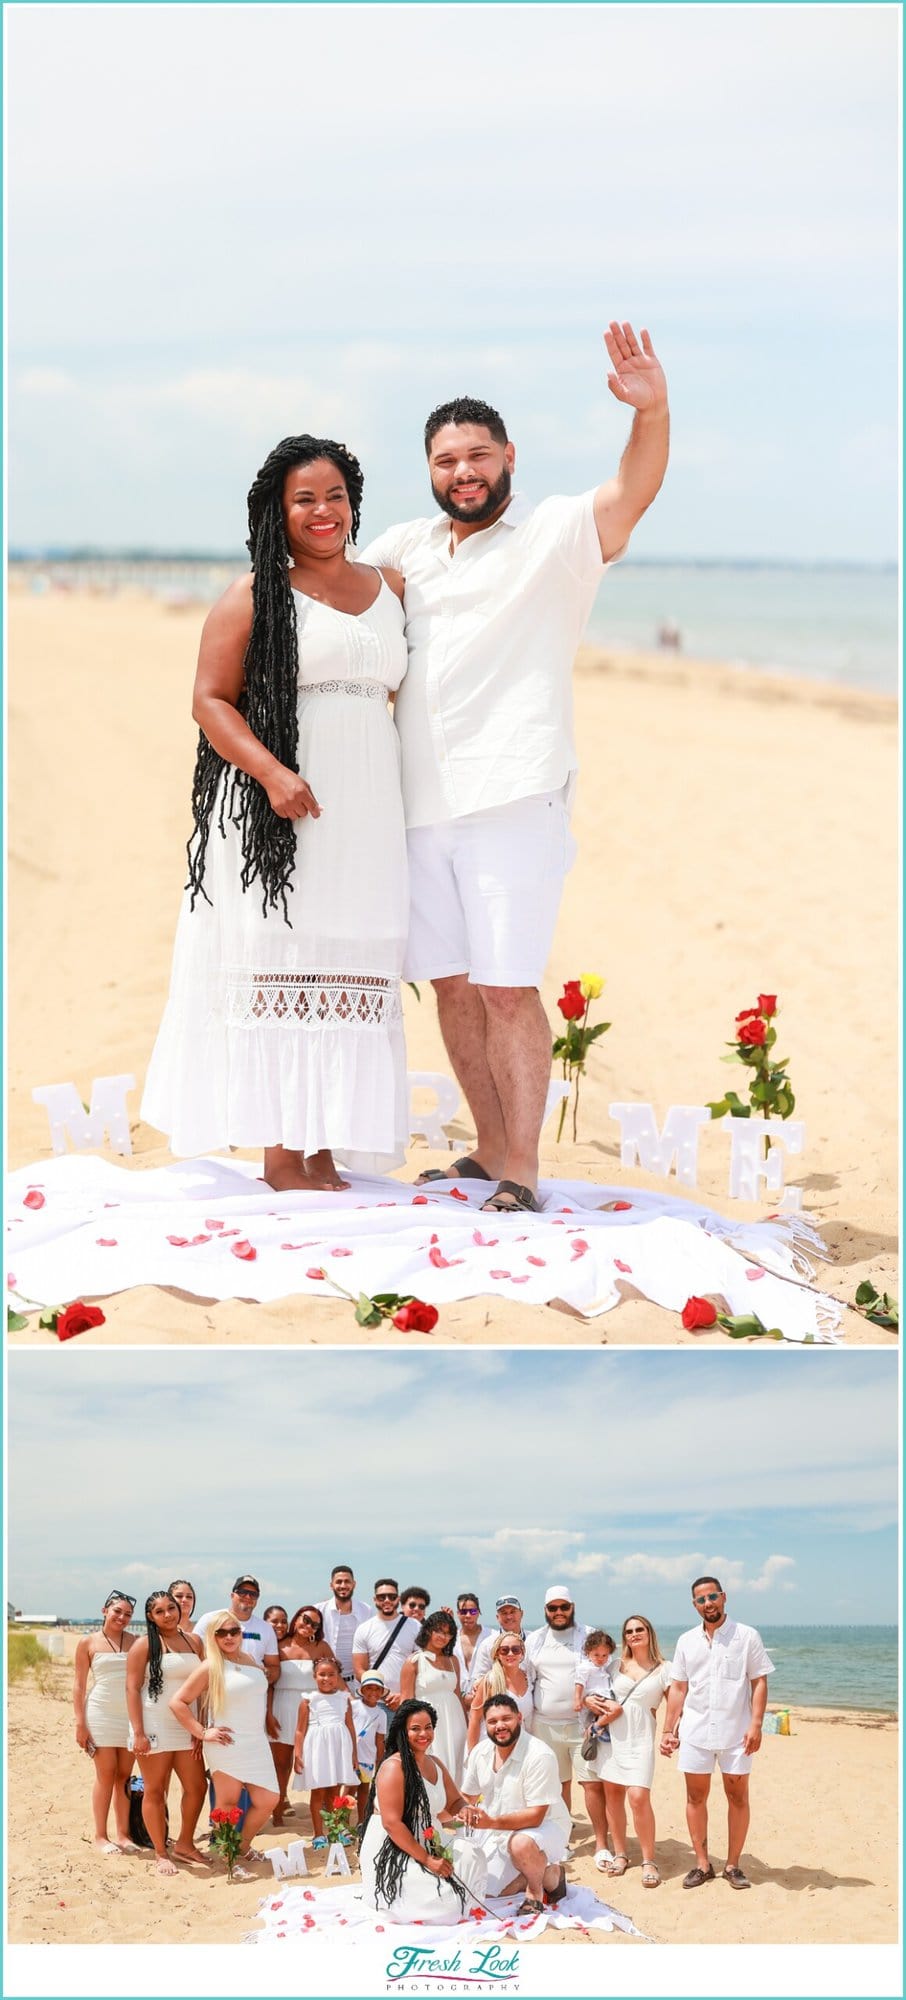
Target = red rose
(768,1004)
(234,1815)
(749,1014)
(76,1319)
(572,1001)
(698,1312)
(217,1816)
(416,1317)
(753,1032)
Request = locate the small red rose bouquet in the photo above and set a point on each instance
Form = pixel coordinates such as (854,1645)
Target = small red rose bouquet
(226,1834)
(571,1048)
(409,1314)
(699,1314)
(337,1819)
(770,1090)
(64,1321)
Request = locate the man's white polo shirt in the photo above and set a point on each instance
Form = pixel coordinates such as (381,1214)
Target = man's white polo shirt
(529,1777)
(485,713)
(718,1707)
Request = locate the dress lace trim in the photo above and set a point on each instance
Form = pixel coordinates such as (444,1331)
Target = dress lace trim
(311,1000)
(374,690)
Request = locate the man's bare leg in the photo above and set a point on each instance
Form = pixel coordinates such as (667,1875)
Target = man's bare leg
(463,1024)
(697,1789)
(737,1791)
(518,1043)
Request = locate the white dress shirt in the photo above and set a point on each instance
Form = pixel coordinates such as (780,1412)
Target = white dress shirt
(340,1640)
(485,713)
(719,1670)
(528,1777)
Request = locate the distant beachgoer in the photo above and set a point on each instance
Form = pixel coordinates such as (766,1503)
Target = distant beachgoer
(283,1027)
(715,1709)
(102,1721)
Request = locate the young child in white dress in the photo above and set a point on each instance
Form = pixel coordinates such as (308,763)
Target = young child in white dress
(325,1748)
(593,1676)
(368,1722)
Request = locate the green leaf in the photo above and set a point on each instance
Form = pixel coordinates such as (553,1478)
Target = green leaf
(367,1312)
(601,1029)
(49,1319)
(741,1326)
(735,1057)
(719,1109)
(865,1293)
(15,1322)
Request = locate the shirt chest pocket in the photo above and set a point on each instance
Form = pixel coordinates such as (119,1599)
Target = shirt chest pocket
(728,1673)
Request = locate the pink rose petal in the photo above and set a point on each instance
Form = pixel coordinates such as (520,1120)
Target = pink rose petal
(579,1248)
(754,1272)
(212,1224)
(178,1242)
(499,1274)
(536,1260)
(201,1239)
(340,1253)
(33,1199)
(245,1250)
(106,1242)
(440,1262)
(622,1267)
(456,1194)
(484,1242)
(521,1281)
(418,1200)
(314,1273)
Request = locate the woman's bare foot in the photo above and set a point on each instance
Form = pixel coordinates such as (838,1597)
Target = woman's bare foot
(191,1854)
(107,1846)
(165,1866)
(284,1170)
(320,1171)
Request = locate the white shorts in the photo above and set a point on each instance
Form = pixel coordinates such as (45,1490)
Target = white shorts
(485,891)
(502,1869)
(563,1738)
(700,1763)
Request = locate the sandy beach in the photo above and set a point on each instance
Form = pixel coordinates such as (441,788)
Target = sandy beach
(823,1869)
(737,834)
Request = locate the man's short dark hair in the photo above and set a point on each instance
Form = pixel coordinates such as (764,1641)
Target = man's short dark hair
(501,1701)
(708,1579)
(338,1569)
(389,1581)
(465,410)
(416,1590)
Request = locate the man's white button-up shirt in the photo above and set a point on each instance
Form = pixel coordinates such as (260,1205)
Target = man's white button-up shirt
(485,713)
(718,1706)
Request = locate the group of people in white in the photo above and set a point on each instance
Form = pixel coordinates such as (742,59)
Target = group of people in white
(459,1743)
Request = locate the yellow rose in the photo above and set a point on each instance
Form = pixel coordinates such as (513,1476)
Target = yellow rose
(590,986)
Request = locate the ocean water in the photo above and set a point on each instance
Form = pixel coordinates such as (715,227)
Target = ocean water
(817,1666)
(834,623)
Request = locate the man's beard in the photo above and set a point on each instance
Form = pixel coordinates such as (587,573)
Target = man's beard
(495,498)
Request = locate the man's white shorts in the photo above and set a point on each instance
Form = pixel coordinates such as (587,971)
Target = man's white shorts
(563,1738)
(700,1763)
(485,891)
(502,1869)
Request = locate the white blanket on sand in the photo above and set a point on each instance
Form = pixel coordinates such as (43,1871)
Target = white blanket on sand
(81,1227)
(298,1913)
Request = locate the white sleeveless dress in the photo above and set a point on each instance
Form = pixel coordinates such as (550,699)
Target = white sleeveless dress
(297,1678)
(423,1898)
(327,1756)
(158,1720)
(433,1685)
(292,1035)
(106,1716)
(248,1757)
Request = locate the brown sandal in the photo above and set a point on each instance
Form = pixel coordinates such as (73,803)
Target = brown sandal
(465,1169)
(522,1199)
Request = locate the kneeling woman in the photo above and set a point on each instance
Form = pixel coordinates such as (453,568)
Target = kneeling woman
(156,1668)
(239,1752)
(401,1877)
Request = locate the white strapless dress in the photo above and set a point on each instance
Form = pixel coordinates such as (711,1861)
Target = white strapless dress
(158,1720)
(248,1757)
(292,1034)
(297,1678)
(106,1716)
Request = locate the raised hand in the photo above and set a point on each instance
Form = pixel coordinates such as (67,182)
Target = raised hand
(637,377)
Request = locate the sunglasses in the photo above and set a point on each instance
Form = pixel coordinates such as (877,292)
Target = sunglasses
(710,1597)
(468,1611)
(228,1631)
(502,1650)
(119,1597)
(386,1597)
(635,1631)
(559,1607)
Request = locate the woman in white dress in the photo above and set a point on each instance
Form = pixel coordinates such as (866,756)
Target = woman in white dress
(283,1027)
(624,1767)
(507,1675)
(184,1593)
(431,1674)
(101,1720)
(401,1878)
(157,1668)
(239,1754)
(303,1645)
(324,1753)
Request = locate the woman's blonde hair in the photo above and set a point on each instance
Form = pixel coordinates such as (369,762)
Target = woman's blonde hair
(214,1658)
(495,1679)
(654,1651)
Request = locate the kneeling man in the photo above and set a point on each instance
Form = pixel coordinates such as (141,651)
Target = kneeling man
(522,1822)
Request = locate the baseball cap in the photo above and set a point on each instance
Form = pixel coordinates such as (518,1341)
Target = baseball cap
(247,1583)
(558,1594)
(502,1601)
(372,1680)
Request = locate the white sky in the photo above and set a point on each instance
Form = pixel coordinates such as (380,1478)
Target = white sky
(230,223)
(626,1476)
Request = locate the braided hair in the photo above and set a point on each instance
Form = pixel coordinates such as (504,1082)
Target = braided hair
(391,1862)
(155,1649)
(268,698)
